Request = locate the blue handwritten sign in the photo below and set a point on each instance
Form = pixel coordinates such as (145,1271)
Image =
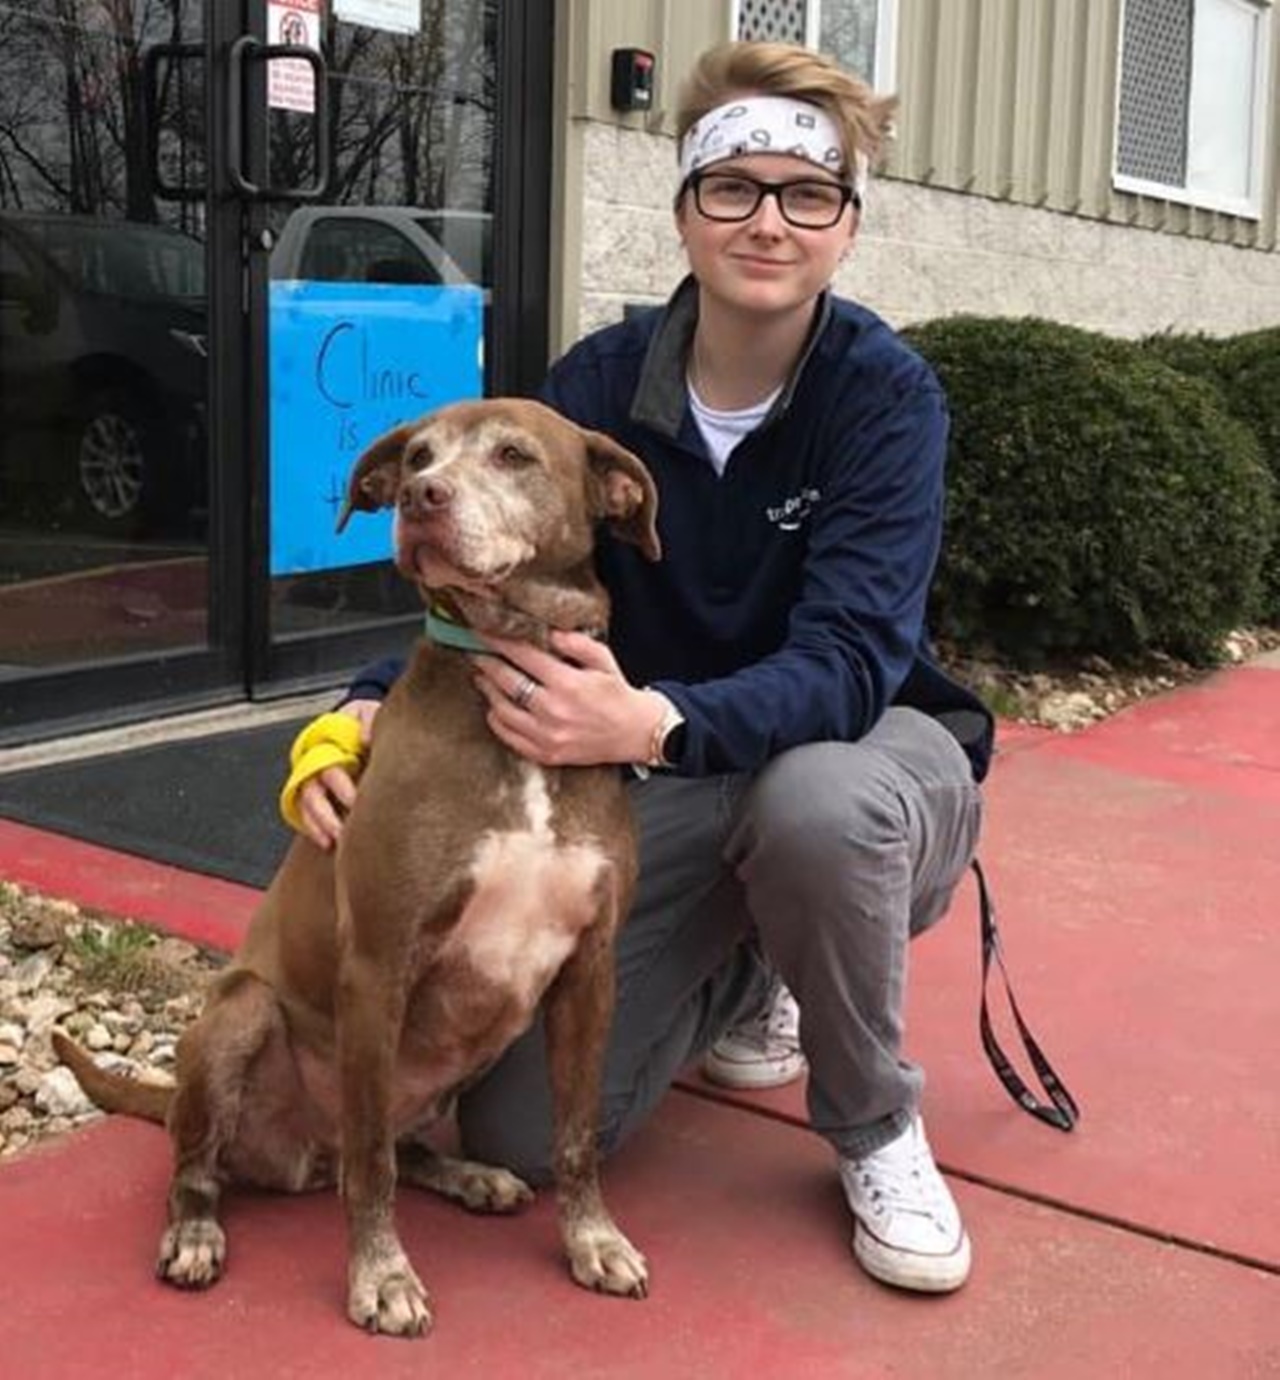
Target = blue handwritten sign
(349,361)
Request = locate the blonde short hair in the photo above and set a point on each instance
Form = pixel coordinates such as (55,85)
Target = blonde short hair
(786,69)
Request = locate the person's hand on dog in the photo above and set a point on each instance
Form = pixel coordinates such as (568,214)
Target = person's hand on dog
(571,706)
(568,707)
(324,800)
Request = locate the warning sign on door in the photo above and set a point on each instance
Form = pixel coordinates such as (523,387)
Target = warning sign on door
(291,83)
(395,16)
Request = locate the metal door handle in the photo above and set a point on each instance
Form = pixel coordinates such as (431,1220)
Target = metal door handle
(248,49)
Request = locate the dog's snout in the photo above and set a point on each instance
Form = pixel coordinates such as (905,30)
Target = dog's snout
(429,493)
(436,493)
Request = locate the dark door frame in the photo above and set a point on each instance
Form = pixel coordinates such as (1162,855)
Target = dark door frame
(522,259)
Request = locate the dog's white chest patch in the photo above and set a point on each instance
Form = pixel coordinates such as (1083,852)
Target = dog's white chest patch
(534,895)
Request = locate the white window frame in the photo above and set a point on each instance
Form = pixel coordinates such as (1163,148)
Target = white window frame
(1248,207)
(884,78)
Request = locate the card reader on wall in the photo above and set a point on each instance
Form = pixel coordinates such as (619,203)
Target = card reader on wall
(631,83)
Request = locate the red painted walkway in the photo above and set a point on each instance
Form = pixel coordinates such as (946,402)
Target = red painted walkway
(1136,867)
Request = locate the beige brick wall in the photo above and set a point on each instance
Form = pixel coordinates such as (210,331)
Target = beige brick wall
(925,253)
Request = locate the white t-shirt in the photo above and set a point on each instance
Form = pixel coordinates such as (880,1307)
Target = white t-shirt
(723,430)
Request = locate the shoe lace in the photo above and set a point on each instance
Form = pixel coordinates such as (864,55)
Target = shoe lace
(902,1179)
(777,1023)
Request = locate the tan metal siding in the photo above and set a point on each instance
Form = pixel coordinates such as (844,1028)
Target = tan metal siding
(675,30)
(1016,100)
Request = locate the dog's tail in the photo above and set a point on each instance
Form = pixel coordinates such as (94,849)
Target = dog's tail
(113,1092)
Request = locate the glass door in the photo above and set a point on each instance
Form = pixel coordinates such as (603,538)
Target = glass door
(105,292)
(238,238)
(379,285)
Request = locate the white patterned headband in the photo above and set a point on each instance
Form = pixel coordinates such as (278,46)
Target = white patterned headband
(767,124)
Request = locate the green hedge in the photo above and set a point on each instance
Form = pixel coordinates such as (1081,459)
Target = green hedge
(1099,500)
(1246,369)
(1201,356)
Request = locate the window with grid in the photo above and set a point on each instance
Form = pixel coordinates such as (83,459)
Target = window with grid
(857,33)
(1192,101)
(774,21)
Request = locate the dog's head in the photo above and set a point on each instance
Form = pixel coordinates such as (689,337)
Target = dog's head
(488,490)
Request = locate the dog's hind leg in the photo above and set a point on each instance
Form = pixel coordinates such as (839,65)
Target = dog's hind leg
(214,1055)
(478,1187)
(579,1007)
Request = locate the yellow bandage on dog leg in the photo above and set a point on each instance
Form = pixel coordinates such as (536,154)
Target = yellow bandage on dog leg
(332,740)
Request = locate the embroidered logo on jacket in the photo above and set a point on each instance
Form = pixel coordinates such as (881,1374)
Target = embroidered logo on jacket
(788,515)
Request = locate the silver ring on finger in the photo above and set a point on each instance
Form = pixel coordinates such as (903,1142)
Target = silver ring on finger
(523,694)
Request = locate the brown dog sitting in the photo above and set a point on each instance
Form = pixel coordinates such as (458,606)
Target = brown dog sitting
(469,886)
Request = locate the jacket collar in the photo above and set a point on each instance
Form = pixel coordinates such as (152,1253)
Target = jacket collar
(662,397)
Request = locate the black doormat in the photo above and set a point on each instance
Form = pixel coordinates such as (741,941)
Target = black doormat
(205,804)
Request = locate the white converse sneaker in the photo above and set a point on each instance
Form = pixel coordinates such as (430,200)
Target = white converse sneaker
(908,1230)
(764,1050)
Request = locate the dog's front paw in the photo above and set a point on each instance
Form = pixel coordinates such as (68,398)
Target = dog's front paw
(192,1254)
(601,1258)
(389,1299)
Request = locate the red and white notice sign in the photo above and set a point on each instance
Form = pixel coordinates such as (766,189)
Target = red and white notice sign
(291,82)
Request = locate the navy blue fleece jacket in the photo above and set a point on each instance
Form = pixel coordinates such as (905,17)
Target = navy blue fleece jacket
(789,604)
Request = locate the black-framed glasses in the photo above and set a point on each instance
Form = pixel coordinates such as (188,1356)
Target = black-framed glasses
(807,203)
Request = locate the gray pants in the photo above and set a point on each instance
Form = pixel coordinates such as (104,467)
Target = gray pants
(832,857)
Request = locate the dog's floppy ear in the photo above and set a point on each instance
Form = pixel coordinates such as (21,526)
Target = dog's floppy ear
(623,493)
(376,476)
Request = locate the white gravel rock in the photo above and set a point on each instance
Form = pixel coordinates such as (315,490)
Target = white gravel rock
(18,1118)
(27,1080)
(1071,710)
(45,1010)
(121,1022)
(133,1030)
(59,1095)
(33,970)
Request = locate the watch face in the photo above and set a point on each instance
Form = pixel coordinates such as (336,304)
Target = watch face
(673,744)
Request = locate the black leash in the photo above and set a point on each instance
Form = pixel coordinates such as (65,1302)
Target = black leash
(1063,1113)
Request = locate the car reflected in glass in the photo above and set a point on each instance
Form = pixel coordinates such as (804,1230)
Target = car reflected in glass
(102,375)
(384,244)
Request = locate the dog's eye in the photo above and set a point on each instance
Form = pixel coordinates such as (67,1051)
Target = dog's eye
(420,457)
(513,457)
